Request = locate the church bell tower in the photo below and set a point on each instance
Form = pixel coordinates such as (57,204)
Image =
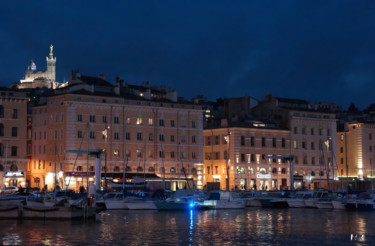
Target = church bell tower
(51,65)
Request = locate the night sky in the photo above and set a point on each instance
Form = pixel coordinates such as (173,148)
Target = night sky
(322,51)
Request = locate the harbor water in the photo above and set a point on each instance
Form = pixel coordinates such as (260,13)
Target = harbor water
(250,226)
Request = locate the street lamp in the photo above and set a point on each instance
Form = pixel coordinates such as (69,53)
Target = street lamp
(226,137)
(105,136)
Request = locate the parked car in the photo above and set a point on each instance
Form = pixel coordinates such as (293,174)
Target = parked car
(8,190)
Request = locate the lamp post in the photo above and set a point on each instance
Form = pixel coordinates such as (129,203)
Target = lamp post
(105,136)
(226,137)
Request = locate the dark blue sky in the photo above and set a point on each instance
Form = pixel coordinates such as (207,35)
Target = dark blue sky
(313,50)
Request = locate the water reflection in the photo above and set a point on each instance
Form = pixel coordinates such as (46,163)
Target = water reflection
(215,227)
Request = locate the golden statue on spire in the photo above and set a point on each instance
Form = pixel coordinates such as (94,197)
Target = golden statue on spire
(51,49)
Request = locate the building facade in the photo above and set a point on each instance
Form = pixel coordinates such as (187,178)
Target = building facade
(13,119)
(356,151)
(137,137)
(241,153)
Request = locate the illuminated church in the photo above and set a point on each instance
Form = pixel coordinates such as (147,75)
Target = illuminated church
(38,78)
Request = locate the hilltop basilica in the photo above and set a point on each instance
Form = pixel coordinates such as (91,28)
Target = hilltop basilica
(38,78)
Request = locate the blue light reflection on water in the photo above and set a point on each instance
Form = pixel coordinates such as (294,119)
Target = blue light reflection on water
(252,226)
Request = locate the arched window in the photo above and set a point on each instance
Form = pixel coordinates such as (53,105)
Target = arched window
(283,171)
(13,168)
(194,170)
(173,170)
(139,169)
(312,173)
(274,170)
(91,168)
(103,169)
(116,169)
(262,171)
(321,173)
(128,169)
(151,169)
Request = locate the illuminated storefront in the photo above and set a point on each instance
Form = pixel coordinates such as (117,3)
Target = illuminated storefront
(15,178)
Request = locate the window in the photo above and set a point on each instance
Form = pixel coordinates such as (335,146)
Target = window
(172,123)
(173,170)
(242,140)
(1,130)
(116,169)
(15,114)
(182,155)
(139,153)
(263,142)
(161,137)
(274,142)
(150,122)
(193,139)
(150,137)
(295,130)
(252,141)
(312,145)
(139,169)
(313,160)
(161,154)
(193,125)
(217,140)
(342,137)
(304,130)
(116,136)
(283,142)
(14,131)
(183,140)
(172,138)
(92,134)
(128,121)
(127,135)
(92,118)
(193,155)
(303,145)
(79,134)
(104,119)
(341,160)
(139,121)
(1,111)
(370,136)
(312,131)
(161,122)
(183,123)
(116,120)
(342,149)
(14,151)
(172,155)
(139,135)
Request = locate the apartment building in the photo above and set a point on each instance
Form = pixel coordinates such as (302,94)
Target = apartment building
(13,119)
(240,153)
(356,151)
(138,136)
